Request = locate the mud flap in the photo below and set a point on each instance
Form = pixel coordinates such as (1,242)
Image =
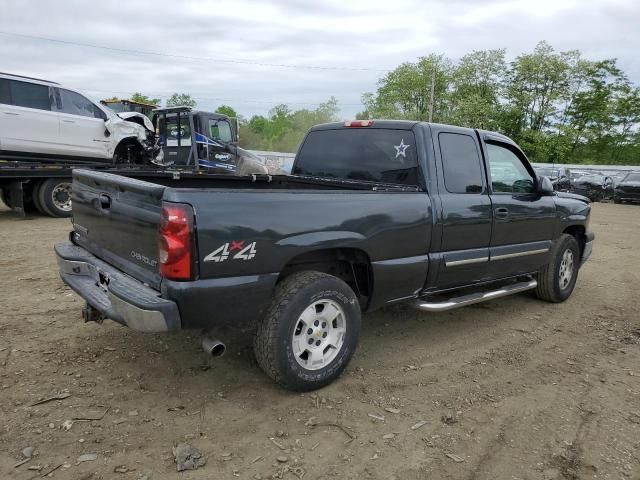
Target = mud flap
(16,197)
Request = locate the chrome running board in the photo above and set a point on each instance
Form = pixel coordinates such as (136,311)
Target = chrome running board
(471,298)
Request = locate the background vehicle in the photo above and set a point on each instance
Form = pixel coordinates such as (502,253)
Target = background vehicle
(203,139)
(560,177)
(122,105)
(594,186)
(628,189)
(374,213)
(35,166)
(42,119)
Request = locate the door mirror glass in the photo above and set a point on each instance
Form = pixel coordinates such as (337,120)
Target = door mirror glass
(545,187)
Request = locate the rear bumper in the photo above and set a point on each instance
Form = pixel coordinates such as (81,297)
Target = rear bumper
(114,294)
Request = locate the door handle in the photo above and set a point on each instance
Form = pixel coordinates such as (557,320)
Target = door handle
(69,121)
(12,113)
(502,212)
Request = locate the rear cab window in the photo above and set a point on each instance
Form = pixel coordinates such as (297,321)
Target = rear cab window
(368,154)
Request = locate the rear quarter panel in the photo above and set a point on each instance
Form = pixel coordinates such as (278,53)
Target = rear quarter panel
(392,228)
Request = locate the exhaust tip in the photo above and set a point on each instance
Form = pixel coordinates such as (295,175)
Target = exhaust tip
(213,346)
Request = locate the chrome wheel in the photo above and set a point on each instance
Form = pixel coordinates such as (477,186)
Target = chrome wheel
(566,269)
(319,334)
(61,196)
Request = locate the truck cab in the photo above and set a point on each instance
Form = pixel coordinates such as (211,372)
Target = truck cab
(204,140)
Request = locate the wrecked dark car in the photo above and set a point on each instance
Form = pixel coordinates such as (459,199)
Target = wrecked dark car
(628,189)
(594,186)
(560,177)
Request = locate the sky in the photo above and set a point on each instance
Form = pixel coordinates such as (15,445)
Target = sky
(255,54)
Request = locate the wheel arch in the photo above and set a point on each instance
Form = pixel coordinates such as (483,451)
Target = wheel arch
(352,265)
(579,233)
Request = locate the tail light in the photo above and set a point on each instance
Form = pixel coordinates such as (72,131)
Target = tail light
(359,123)
(175,243)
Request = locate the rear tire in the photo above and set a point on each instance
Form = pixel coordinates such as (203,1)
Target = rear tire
(54,196)
(309,332)
(35,196)
(557,279)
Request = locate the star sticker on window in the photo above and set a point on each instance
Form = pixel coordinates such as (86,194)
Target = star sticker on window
(401,149)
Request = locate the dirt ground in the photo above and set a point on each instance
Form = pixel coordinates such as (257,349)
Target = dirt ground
(511,389)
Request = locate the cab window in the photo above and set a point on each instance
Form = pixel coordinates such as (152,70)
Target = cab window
(177,136)
(508,173)
(220,130)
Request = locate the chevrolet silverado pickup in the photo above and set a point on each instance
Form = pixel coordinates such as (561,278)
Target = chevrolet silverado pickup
(374,213)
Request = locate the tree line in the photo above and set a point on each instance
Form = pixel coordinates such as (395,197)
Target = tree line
(558,106)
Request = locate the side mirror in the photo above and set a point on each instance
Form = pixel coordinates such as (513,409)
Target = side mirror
(545,187)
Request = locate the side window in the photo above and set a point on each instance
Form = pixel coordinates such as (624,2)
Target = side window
(75,104)
(508,174)
(220,130)
(30,95)
(4,91)
(461,163)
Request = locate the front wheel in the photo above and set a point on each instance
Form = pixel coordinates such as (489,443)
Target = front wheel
(558,278)
(309,332)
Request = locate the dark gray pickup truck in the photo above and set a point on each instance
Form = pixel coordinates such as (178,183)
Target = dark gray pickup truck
(374,213)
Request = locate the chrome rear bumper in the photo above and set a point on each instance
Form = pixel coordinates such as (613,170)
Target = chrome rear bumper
(114,294)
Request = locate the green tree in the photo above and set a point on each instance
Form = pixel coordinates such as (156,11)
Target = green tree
(405,91)
(477,88)
(227,110)
(180,100)
(138,97)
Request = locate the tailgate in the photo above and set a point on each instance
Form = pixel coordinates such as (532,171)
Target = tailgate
(116,219)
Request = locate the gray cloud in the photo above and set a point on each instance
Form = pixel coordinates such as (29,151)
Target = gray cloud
(371,34)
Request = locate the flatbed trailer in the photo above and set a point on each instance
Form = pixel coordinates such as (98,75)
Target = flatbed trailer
(44,185)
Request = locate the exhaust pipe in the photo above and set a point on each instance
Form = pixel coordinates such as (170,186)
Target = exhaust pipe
(213,346)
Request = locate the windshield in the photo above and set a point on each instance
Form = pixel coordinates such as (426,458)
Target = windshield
(547,172)
(632,177)
(591,179)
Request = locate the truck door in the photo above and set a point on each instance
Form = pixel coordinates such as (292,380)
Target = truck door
(466,208)
(524,221)
(213,146)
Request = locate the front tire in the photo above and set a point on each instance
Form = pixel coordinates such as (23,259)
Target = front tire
(54,196)
(309,332)
(557,279)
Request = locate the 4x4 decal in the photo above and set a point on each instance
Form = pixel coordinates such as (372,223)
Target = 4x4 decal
(223,252)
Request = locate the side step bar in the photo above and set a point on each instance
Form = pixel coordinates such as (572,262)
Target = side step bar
(470,299)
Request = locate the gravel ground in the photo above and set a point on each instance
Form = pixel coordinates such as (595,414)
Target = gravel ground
(511,389)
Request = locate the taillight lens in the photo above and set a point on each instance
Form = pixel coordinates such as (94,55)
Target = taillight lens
(175,244)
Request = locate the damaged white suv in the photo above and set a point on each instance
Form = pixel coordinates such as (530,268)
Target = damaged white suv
(42,119)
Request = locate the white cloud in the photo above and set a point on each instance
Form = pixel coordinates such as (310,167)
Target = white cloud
(371,34)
